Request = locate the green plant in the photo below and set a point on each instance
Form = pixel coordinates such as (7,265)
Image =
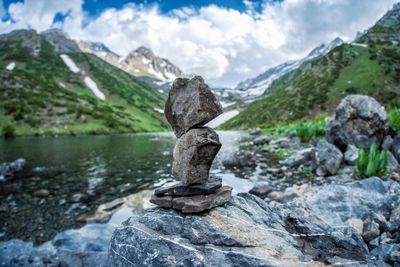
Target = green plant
(394,118)
(373,163)
(8,131)
(305,132)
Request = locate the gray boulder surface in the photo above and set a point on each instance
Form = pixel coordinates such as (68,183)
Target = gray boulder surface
(358,120)
(395,147)
(190,103)
(328,158)
(261,189)
(244,232)
(193,155)
(351,155)
(300,157)
(87,246)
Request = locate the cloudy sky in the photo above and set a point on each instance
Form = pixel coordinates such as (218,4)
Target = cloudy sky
(225,41)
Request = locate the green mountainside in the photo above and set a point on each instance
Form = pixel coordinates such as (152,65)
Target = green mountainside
(315,89)
(41,95)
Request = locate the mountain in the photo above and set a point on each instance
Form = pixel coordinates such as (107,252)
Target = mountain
(145,63)
(386,30)
(49,86)
(100,50)
(255,87)
(317,86)
(141,62)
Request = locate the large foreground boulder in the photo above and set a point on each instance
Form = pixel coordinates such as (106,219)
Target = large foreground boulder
(245,232)
(359,120)
(190,103)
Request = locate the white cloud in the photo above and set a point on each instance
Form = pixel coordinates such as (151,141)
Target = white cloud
(223,45)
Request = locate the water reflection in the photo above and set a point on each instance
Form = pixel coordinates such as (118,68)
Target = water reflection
(101,167)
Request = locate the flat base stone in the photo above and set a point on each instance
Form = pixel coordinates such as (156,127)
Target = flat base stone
(182,189)
(162,201)
(194,204)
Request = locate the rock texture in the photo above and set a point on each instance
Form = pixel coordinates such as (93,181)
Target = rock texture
(330,225)
(182,189)
(328,159)
(190,103)
(193,155)
(395,147)
(10,169)
(359,120)
(246,232)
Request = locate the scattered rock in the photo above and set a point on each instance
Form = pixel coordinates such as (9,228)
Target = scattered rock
(256,131)
(190,103)
(42,193)
(395,148)
(370,231)
(193,155)
(356,224)
(240,160)
(379,219)
(261,189)
(393,164)
(275,195)
(300,157)
(182,189)
(351,155)
(387,142)
(385,253)
(359,120)
(328,159)
(262,140)
(9,170)
(79,197)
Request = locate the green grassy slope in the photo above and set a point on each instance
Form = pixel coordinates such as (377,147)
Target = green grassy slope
(318,86)
(42,96)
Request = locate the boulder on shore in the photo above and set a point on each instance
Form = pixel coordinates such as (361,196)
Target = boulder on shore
(9,169)
(245,232)
(359,120)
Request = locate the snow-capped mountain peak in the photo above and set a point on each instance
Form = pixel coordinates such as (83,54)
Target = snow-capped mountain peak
(143,60)
(255,87)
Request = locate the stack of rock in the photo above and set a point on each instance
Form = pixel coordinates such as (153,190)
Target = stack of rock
(189,107)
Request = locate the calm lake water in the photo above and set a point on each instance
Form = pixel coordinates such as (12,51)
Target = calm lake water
(101,168)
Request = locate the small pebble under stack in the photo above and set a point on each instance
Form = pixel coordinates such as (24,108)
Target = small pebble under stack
(191,105)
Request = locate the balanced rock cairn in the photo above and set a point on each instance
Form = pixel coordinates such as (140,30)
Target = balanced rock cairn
(189,107)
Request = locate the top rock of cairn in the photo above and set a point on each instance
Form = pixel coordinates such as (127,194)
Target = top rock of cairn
(190,103)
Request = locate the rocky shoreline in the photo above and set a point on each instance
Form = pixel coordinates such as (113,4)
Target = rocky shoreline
(307,207)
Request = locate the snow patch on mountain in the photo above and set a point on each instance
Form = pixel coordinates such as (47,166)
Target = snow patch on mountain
(10,66)
(70,63)
(159,110)
(224,117)
(93,87)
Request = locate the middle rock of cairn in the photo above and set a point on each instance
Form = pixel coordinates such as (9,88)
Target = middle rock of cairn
(189,107)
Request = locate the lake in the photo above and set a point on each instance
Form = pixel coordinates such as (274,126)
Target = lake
(91,169)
